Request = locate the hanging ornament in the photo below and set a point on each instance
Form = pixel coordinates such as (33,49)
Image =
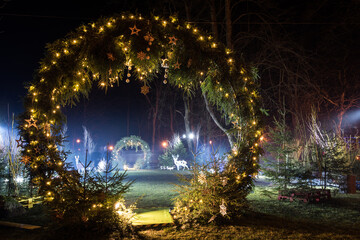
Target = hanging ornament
(223,208)
(128,75)
(172,40)
(148,49)
(25,160)
(202,178)
(19,142)
(134,30)
(110,56)
(144,89)
(127,80)
(224,181)
(31,122)
(177,65)
(165,63)
(149,38)
(165,81)
(141,55)
(189,63)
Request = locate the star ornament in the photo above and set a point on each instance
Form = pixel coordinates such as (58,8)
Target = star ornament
(110,56)
(134,30)
(172,40)
(31,122)
(144,89)
(177,65)
(19,142)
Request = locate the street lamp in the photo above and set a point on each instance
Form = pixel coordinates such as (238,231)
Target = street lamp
(191,135)
(164,144)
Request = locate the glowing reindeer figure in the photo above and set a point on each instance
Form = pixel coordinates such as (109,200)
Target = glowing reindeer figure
(179,163)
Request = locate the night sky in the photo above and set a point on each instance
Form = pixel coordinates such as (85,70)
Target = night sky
(26,27)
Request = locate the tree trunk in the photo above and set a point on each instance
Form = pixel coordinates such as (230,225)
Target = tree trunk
(187,120)
(155,113)
(172,121)
(214,26)
(210,111)
(228,24)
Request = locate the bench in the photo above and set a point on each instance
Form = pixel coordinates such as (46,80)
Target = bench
(313,195)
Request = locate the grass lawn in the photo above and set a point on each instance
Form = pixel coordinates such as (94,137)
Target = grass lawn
(268,218)
(153,188)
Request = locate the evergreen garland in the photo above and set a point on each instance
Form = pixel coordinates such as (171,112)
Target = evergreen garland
(132,142)
(105,52)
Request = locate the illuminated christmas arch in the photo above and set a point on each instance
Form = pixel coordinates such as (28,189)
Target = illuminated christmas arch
(114,49)
(132,142)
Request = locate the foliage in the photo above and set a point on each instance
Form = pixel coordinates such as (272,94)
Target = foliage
(216,193)
(330,155)
(9,207)
(175,147)
(132,142)
(91,206)
(102,53)
(111,181)
(281,166)
(101,224)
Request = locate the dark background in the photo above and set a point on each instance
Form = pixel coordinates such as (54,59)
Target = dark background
(26,27)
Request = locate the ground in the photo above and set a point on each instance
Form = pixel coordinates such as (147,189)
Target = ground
(268,218)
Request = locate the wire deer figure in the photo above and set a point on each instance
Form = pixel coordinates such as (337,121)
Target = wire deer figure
(179,163)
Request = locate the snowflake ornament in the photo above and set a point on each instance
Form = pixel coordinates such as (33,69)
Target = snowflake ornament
(141,55)
(202,178)
(25,160)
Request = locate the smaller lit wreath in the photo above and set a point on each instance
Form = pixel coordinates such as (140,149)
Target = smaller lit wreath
(133,142)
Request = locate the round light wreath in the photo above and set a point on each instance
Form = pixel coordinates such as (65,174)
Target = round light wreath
(126,47)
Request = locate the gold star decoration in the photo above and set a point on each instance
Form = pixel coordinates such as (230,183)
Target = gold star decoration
(141,55)
(177,65)
(31,122)
(134,30)
(25,160)
(19,142)
(173,40)
(144,89)
(110,56)
(37,150)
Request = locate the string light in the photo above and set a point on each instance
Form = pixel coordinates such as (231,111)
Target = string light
(76,86)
